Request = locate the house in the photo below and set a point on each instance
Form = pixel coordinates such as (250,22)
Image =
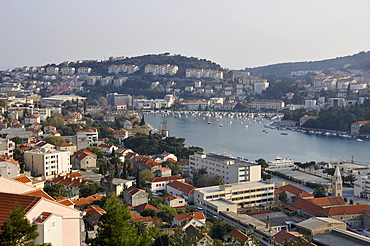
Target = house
(107,148)
(92,216)
(163,172)
(134,196)
(281,237)
(160,183)
(355,126)
(240,237)
(164,157)
(71,182)
(67,145)
(181,189)
(57,223)
(306,118)
(184,220)
(83,159)
(148,221)
(290,193)
(9,167)
(31,119)
(174,201)
(85,201)
(141,162)
(140,208)
(121,184)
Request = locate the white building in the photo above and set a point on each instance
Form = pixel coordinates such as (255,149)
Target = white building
(362,187)
(9,167)
(231,196)
(204,73)
(47,162)
(230,169)
(125,68)
(7,147)
(68,70)
(88,137)
(149,104)
(161,69)
(195,104)
(267,104)
(260,86)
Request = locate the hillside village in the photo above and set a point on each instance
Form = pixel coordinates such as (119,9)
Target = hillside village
(69,146)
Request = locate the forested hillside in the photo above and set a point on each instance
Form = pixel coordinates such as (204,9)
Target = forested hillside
(357,61)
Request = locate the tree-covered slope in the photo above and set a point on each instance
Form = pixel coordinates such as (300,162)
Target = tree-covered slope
(357,61)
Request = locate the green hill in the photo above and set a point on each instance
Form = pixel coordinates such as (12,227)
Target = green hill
(357,61)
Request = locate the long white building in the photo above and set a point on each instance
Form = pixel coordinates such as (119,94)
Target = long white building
(215,199)
(230,169)
(47,162)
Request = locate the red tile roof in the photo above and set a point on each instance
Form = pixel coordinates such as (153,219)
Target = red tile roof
(170,197)
(43,217)
(307,206)
(136,218)
(182,186)
(132,190)
(295,190)
(161,179)
(88,200)
(238,235)
(348,209)
(23,179)
(9,200)
(140,208)
(38,193)
(327,201)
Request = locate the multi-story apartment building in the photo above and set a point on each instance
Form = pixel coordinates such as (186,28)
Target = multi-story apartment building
(84,70)
(124,68)
(268,104)
(230,169)
(86,138)
(68,70)
(7,147)
(260,86)
(149,104)
(204,73)
(47,162)
(9,167)
(52,70)
(161,69)
(231,196)
(195,104)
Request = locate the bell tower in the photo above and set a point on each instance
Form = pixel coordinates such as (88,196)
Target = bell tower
(336,183)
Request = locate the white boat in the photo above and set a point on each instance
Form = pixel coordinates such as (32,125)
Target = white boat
(280,162)
(359,140)
(246,126)
(221,125)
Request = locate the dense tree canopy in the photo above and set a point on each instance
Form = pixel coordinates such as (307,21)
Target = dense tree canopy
(115,228)
(155,144)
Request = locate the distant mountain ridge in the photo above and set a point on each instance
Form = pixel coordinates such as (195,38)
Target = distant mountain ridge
(360,60)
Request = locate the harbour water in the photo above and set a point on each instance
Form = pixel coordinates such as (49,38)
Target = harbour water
(249,139)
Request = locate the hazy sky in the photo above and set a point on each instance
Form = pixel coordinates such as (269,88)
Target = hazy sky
(233,33)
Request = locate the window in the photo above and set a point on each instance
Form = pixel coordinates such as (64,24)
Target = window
(53,224)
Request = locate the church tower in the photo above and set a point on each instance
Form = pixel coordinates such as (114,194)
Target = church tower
(336,183)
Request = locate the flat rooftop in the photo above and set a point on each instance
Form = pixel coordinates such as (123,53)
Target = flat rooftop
(235,186)
(221,202)
(224,159)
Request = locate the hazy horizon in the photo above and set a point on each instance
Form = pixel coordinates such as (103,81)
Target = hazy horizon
(235,34)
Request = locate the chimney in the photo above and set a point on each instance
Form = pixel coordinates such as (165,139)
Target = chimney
(268,222)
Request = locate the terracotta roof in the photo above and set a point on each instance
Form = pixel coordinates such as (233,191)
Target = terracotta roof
(296,191)
(132,190)
(81,154)
(137,217)
(238,235)
(281,236)
(9,200)
(73,179)
(348,209)
(23,179)
(182,186)
(327,201)
(161,179)
(87,200)
(65,201)
(92,209)
(170,197)
(5,158)
(145,206)
(187,216)
(43,217)
(144,161)
(307,206)
(38,193)
(64,143)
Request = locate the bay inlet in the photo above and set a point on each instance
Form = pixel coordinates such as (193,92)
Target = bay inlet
(249,139)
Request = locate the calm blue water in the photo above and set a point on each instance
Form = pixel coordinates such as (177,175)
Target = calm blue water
(252,143)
